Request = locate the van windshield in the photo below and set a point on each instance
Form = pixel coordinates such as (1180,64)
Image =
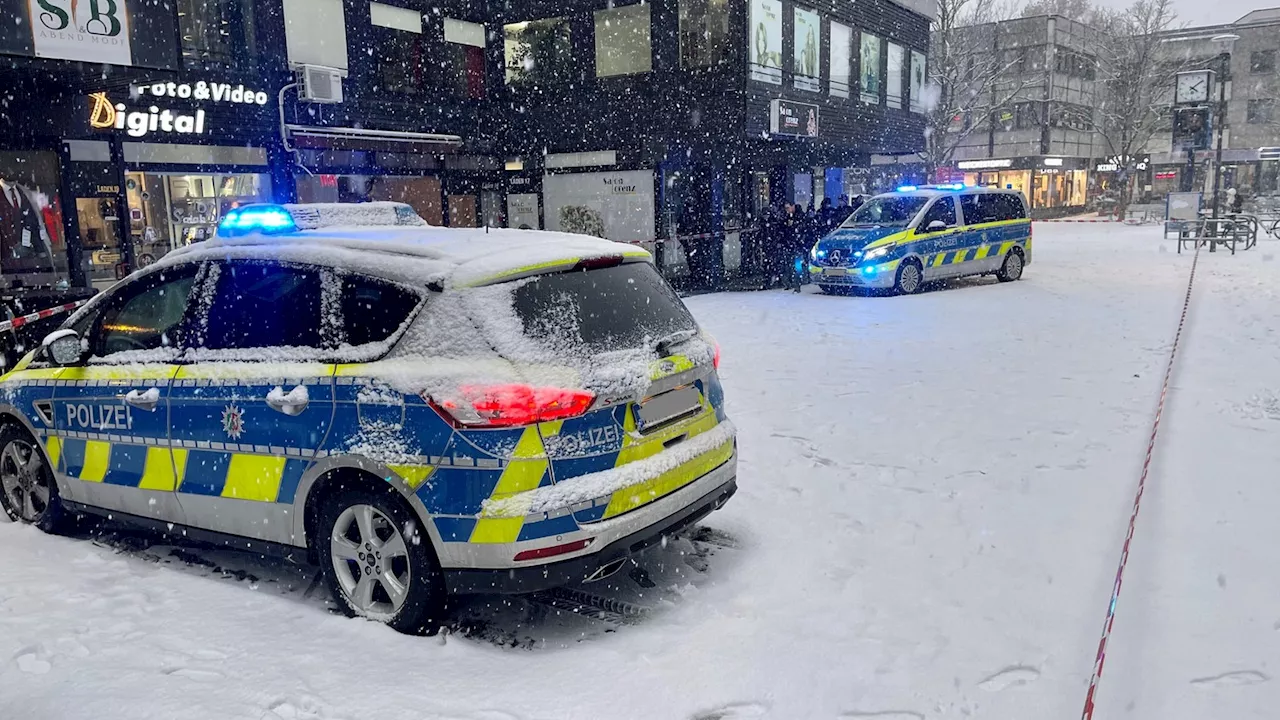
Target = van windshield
(887,211)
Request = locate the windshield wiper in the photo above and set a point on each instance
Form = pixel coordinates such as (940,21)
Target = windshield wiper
(663,344)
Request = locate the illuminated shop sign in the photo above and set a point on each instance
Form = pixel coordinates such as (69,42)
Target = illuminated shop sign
(151,108)
(984,164)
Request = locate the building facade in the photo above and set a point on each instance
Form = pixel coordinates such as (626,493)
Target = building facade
(1251,133)
(1042,141)
(132,128)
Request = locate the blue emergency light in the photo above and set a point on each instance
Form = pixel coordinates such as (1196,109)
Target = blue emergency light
(908,188)
(262,218)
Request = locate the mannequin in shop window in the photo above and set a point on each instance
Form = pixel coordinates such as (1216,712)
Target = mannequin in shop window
(24,238)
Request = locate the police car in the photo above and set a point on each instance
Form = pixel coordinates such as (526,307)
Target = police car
(903,239)
(425,410)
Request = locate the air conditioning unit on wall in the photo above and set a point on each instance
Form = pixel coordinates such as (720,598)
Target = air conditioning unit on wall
(320,84)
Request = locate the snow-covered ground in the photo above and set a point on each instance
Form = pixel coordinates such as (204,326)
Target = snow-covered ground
(933,494)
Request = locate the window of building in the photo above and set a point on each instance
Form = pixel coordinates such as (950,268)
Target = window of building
(395,18)
(918,79)
(537,52)
(804,56)
(399,50)
(33,250)
(1075,64)
(1262,61)
(217,33)
(841,60)
(1262,112)
(622,41)
(893,78)
(764,54)
(869,78)
(704,32)
(464,58)
(1074,117)
(1026,115)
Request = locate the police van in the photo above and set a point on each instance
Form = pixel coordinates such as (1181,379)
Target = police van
(904,239)
(424,410)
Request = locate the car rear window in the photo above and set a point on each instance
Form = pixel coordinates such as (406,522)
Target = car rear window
(621,307)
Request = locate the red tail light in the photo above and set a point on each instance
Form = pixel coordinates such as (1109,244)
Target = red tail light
(715,360)
(553,550)
(514,405)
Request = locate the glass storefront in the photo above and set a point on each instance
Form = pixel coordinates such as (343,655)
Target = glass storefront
(165,211)
(33,249)
(1045,189)
(422,193)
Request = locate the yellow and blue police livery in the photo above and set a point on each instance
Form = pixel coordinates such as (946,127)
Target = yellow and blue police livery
(903,239)
(424,410)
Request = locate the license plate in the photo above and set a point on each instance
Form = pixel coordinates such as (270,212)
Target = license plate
(835,271)
(666,407)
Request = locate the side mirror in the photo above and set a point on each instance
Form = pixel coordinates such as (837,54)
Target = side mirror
(936,226)
(62,347)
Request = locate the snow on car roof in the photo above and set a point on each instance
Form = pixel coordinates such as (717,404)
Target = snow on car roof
(374,242)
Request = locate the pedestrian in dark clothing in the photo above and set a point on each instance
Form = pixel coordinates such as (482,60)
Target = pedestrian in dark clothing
(843,210)
(826,217)
(1237,202)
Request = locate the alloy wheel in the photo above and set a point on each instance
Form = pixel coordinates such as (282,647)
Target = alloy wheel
(371,561)
(22,478)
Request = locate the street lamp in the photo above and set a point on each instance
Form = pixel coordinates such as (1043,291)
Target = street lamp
(1223,42)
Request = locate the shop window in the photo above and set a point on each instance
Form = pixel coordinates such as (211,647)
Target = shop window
(840,60)
(399,50)
(464,58)
(918,79)
(1261,112)
(217,34)
(537,53)
(869,55)
(704,32)
(622,41)
(32,248)
(1262,61)
(893,77)
(804,58)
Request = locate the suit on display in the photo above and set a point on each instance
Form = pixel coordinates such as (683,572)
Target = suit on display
(23,235)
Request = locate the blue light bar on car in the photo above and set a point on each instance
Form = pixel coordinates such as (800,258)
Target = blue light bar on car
(908,188)
(266,219)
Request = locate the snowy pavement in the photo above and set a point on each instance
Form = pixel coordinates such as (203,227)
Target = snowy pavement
(933,494)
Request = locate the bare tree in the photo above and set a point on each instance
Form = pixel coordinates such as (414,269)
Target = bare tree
(1135,82)
(968,80)
(1078,10)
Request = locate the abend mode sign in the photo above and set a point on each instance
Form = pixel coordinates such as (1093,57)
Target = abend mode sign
(116,32)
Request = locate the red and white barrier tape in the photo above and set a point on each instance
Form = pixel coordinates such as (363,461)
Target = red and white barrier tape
(18,322)
(1137,501)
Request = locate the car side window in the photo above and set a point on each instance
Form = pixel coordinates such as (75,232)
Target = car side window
(372,310)
(996,207)
(969,205)
(943,209)
(260,304)
(146,317)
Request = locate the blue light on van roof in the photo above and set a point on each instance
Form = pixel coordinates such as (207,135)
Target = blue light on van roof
(265,219)
(908,188)
(953,186)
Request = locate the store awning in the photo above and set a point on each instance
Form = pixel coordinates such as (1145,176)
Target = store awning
(347,138)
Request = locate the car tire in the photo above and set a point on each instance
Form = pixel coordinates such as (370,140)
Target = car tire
(378,561)
(910,278)
(1011,268)
(28,492)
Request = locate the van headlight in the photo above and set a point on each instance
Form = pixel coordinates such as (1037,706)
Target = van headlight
(816,253)
(879,252)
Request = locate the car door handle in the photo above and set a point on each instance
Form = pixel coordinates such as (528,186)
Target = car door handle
(290,403)
(144,399)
